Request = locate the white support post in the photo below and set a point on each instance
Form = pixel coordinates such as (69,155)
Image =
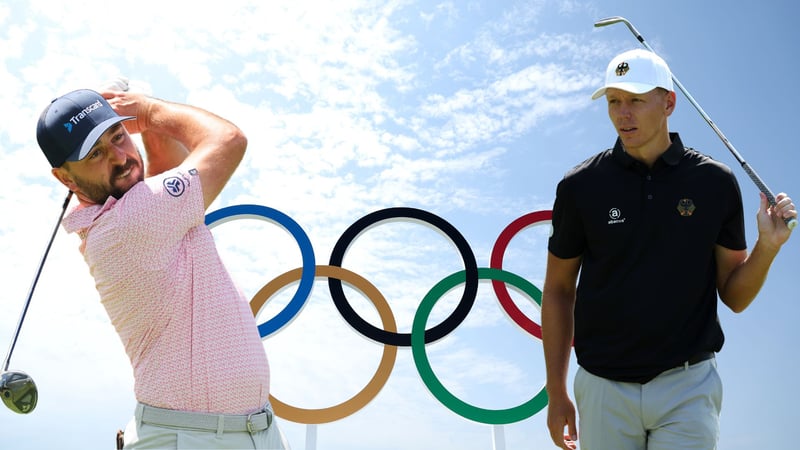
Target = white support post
(498,437)
(311,437)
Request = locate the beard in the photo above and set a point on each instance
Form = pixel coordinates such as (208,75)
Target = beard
(99,192)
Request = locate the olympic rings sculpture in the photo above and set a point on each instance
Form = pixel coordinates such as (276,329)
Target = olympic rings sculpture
(388,335)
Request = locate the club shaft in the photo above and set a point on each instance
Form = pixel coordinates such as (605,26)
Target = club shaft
(33,284)
(760,184)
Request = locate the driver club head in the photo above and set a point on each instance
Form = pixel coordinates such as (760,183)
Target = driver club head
(18,392)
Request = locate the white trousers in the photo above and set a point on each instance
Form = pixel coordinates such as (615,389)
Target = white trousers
(679,409)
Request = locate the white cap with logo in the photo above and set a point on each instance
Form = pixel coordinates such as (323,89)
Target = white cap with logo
(636,71)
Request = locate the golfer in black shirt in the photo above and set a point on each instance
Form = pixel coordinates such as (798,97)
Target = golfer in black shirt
(646,236)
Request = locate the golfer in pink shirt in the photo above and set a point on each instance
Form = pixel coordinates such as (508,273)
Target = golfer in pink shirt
(201,373)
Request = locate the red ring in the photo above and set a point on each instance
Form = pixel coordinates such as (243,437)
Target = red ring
(496,262)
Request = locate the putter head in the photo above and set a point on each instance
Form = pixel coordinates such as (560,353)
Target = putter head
(18,392)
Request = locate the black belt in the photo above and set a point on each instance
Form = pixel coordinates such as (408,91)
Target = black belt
(698,358)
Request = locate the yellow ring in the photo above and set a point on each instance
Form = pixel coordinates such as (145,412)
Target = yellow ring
(370,391)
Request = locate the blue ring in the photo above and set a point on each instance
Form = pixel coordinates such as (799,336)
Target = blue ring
(307,251)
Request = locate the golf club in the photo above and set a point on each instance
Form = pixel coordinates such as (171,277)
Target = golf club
(790,222)
(17,389)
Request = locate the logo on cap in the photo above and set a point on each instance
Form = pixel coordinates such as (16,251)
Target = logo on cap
(622,69)
(78,117)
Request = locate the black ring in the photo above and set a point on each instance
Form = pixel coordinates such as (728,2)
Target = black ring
(404,339)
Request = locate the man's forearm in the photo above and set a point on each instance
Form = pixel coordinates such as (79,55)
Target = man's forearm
(183,133)
(746,280)
(557,335)
(163,152)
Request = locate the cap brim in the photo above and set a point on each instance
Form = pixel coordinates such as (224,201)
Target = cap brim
(94,135)
(633,88)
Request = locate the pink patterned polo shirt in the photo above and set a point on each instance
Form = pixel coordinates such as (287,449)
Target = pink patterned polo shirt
(189,332)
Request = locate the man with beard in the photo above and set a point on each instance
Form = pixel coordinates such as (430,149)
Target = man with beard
(200,370)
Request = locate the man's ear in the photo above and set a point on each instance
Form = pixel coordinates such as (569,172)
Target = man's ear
(65,178)
(671,101)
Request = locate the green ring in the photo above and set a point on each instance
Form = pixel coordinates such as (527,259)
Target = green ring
(458,406)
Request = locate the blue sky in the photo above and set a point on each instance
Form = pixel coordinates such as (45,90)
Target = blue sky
(469,110)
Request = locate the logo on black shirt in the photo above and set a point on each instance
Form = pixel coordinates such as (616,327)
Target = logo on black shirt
(615,216)
(686,207)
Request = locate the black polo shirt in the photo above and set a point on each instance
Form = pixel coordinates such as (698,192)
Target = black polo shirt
(646,294)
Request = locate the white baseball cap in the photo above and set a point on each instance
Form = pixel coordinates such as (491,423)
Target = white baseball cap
(637,71)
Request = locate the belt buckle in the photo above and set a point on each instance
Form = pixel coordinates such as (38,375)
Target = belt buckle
(250,423)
